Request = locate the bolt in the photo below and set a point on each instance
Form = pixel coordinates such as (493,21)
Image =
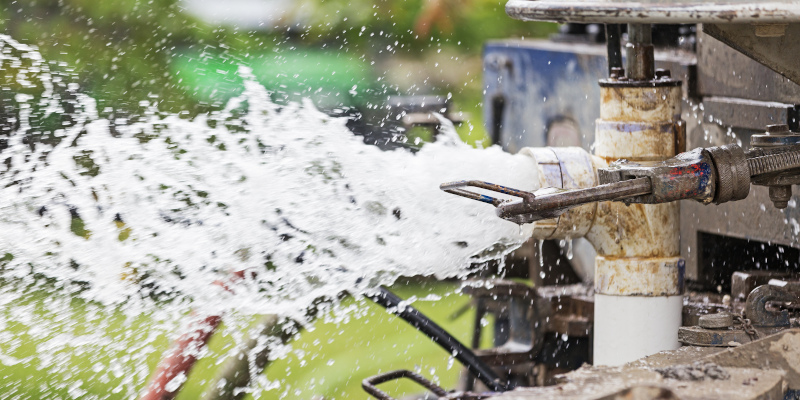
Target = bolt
(780,195)
(617,72)
(719,320)
(663,73)
(778,129)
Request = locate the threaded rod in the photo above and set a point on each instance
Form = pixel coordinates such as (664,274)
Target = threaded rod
(774,163)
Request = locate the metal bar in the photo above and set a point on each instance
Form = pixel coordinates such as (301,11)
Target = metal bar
(571,198)
(640,56)
(613,34)
(369,383)
(475,196)
(456,189)
(462,353)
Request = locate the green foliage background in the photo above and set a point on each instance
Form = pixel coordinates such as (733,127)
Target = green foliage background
(122,52)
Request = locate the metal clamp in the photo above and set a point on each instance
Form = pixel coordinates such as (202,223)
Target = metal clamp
(369,383)
(757,306)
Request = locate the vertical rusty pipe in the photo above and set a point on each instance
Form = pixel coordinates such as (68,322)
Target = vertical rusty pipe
(173,369)
(638,269)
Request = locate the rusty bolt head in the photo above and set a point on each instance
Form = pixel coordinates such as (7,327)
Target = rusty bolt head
(720,320)
(617,73)
(663,73)
(780,196)
(778,129)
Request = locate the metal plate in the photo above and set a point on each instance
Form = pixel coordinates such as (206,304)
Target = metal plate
(655,12)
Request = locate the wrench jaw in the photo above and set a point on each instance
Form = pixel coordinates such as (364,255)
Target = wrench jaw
(525,211)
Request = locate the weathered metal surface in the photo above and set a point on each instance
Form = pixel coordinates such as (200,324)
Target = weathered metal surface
(757,307)
(762,369)
(637,230)
(639,276)
(743,282)
(732,337)
(777,135)
(780,351)
(689,175)
(698,304)
(750,114)
(638,264)
(649,141)
(725,72)
(552,202)
(640,104)
(654,12)
(640,60)
(603,383)
(720,320)
(779,52)
(732,173)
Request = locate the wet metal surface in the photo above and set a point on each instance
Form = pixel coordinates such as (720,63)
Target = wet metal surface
(777,51)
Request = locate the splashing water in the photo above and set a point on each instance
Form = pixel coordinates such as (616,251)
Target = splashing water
(150,216)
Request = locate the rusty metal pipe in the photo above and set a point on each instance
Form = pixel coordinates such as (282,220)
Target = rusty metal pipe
(638,269)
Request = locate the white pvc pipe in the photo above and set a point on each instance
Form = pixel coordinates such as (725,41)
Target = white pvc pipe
(627,328)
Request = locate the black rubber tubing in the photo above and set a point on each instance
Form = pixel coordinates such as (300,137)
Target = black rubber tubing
(462,353)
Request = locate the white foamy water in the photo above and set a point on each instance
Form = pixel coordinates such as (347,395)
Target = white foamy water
(285,193)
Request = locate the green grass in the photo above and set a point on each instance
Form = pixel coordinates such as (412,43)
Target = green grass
(330,359)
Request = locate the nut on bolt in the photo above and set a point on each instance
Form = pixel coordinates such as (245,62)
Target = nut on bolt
(719,320)
(778,129)
(780,195)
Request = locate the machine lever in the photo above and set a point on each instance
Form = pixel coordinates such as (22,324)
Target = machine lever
(713,174)
(552,202)
(547,202)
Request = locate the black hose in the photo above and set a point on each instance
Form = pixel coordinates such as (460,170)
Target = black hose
(462,353)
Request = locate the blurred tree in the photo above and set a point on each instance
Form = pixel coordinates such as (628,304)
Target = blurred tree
(125,51)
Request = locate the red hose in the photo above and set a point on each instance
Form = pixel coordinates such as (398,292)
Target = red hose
(180,360)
